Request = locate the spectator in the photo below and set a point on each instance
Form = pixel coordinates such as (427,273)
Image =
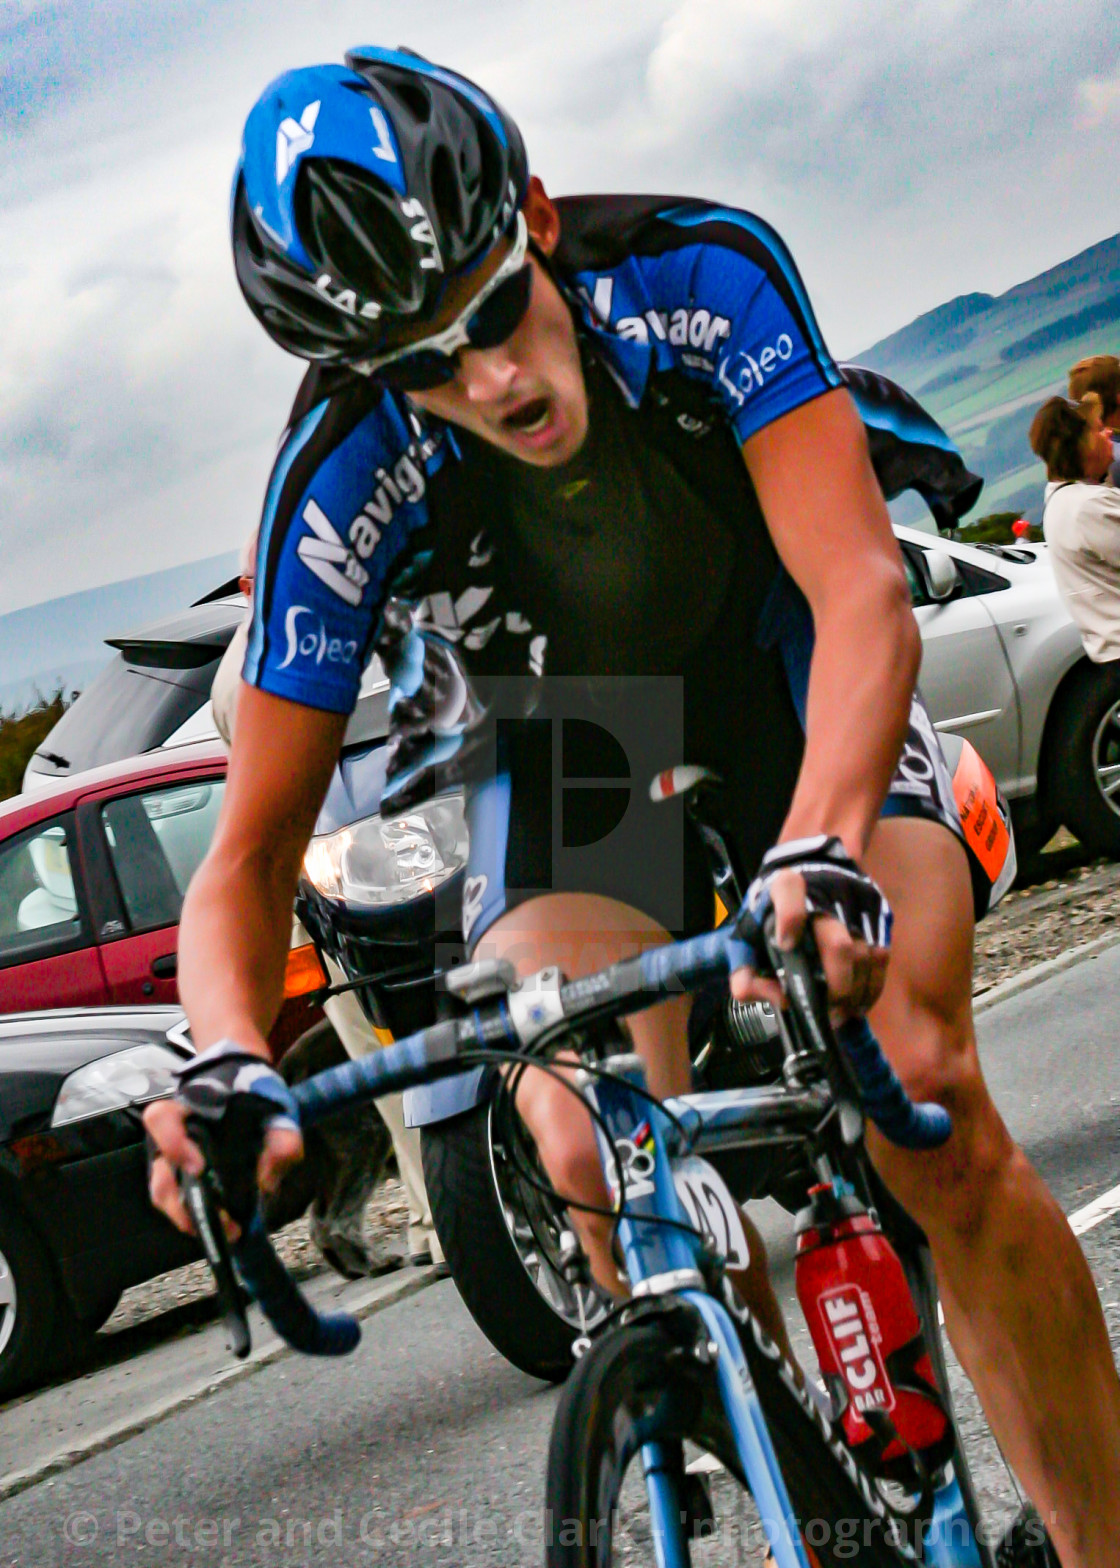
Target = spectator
(1081,518)
(350,1023)
(1100,373)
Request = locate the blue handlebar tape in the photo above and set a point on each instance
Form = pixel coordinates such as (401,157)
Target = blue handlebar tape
(279,1298)
(701,957)
(416,1059)
(897,1117)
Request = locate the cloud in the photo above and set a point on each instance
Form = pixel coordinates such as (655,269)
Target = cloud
(871,98)
(905,154)
(1100,101)
(54,55)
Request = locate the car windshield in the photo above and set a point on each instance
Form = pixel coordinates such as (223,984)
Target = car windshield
(124,711)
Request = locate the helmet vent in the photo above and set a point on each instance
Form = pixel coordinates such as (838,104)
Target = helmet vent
(348,230)
(415,98)
(446,191)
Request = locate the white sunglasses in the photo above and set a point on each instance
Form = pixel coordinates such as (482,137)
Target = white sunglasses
(430,361)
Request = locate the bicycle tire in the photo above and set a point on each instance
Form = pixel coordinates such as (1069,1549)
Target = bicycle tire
(489,1276)
(636,1385)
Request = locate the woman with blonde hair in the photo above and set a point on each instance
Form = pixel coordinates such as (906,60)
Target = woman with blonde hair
(1081,518)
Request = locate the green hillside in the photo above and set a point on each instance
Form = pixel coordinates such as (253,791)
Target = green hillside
(982,364)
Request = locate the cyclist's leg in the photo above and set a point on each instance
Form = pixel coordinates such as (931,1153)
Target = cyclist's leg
(581,933)
(1019,1301)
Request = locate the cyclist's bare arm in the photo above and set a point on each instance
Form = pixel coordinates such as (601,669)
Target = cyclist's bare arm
(825,512)
(237,917)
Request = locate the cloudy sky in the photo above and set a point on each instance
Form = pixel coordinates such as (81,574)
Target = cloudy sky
(907,153)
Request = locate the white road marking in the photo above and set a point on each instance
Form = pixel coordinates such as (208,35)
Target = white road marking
(1095,1213)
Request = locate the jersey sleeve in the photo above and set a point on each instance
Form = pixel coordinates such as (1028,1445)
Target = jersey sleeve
(345,506)
(734,308)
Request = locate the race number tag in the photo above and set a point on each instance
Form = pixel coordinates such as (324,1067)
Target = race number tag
(711,1208)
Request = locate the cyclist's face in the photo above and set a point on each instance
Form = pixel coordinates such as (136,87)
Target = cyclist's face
(527,396)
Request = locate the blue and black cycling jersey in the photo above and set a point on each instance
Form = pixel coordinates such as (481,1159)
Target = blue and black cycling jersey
(698,326)
(646,556)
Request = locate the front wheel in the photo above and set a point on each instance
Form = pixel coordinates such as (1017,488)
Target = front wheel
(640,1393)
(1084,757)
(501,1241)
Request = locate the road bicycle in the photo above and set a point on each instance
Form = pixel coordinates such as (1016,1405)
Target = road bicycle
(683,1364)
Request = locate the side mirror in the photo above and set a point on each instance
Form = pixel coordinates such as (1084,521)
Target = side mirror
(942,576)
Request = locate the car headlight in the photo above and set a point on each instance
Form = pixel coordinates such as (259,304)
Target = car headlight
(132,1077)
(389,860)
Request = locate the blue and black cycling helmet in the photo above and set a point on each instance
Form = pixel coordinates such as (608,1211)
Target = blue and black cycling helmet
(361,191)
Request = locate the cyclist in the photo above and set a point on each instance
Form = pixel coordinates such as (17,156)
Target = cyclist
(604,437)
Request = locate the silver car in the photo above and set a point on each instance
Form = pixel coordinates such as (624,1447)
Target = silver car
(1003,665)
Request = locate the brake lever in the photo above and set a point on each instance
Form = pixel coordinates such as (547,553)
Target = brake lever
(802,978)
(862,1078)
(202,1197)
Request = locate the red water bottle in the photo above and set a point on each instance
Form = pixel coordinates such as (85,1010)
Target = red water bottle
(866,1331)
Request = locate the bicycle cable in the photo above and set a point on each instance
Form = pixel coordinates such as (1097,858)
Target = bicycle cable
(524,1060)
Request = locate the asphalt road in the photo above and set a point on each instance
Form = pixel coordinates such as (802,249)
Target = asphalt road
(426,1448)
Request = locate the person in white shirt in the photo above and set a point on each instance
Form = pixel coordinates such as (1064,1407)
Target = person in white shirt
(1081,518)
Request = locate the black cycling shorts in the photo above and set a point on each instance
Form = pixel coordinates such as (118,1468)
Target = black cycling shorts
(519,828)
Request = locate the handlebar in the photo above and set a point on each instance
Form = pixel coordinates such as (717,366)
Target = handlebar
(898,1118)
(284,1304)
(439,1051)
(885,1101)
(265,1277)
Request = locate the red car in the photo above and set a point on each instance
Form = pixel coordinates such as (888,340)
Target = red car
(93,870)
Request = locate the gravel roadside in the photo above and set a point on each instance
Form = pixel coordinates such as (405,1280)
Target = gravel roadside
(1032,924)
(1045,920)
(386,1229)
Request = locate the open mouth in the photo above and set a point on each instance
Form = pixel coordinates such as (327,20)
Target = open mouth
(530,418)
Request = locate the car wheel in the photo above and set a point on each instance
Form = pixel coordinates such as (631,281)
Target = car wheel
(35,1322)
(1085,758)
(1032,820)
(96,1316)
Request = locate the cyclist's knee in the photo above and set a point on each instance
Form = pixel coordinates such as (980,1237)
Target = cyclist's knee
(951,1186)
(562,1131)
(570,1155)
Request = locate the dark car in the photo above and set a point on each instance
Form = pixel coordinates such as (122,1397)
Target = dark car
(76,1227)
(155,685)
(155,693)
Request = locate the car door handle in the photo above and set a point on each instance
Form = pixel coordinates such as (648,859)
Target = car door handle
(166,967)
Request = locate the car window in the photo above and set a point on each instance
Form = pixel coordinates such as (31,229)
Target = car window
(200,726)
(157,841)
(977,581)
(913,580)
(974,580)
(122,712)
(38,901)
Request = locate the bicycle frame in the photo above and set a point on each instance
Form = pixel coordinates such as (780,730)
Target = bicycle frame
(666,1260)
(658,1260)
